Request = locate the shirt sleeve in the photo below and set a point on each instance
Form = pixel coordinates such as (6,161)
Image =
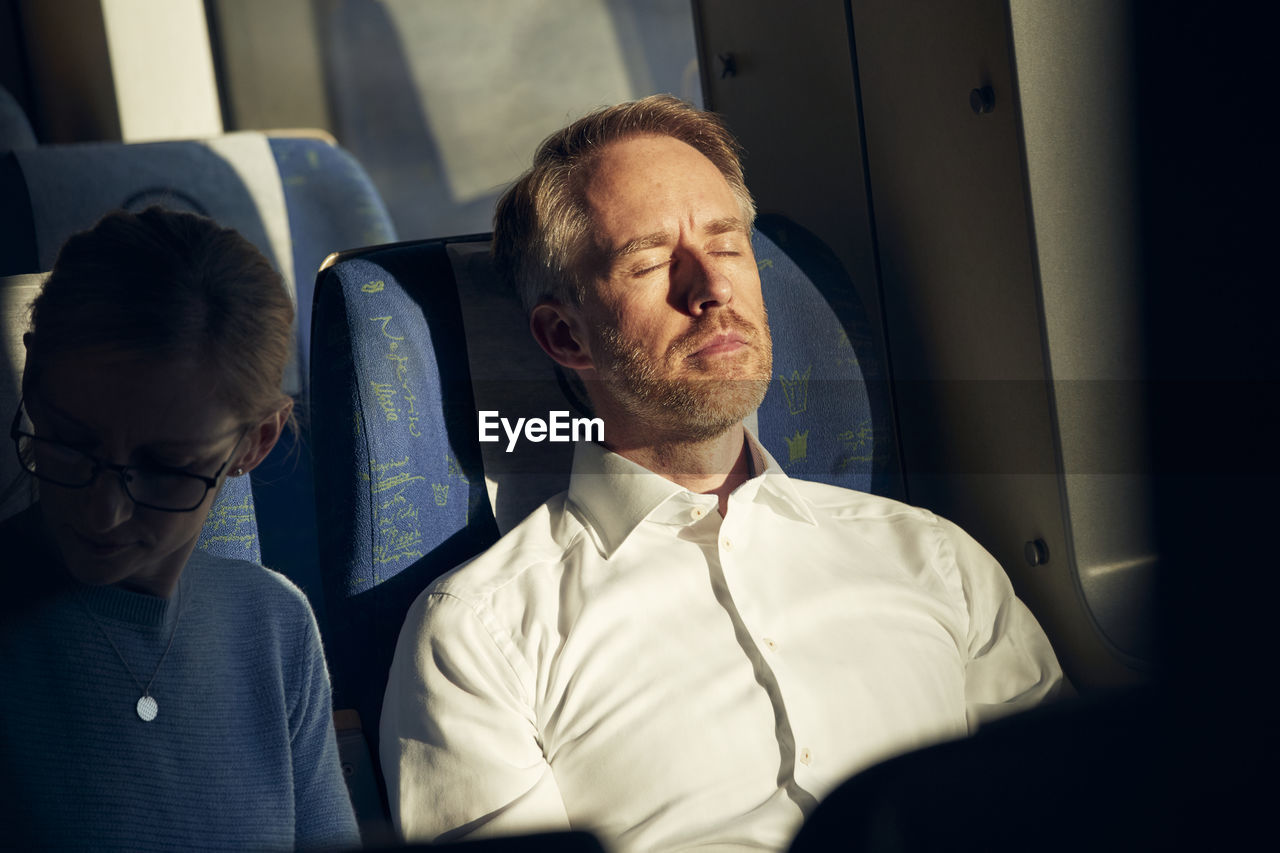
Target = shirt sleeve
(323,816)
(1010,665)
(459,743)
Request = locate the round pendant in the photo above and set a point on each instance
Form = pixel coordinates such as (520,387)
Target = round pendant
(147,709)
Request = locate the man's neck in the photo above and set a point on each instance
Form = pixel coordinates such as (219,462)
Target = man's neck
(715,466)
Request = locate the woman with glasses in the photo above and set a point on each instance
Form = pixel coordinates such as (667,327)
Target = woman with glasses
(155,696)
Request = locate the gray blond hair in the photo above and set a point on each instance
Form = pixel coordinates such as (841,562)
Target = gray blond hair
(541,228)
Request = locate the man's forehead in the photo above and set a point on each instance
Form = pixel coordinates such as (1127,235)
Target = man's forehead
(640,182)
(646,154)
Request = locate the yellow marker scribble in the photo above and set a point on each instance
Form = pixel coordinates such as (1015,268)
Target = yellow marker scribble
(797,445)
(386,395)
(395,517)
(386,392)
(796,390)
(230,524)
(384,321)
(858,445)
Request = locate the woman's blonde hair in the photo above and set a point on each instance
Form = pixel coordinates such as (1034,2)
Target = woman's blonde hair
(165,285)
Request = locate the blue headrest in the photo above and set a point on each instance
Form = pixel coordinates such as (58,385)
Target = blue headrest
(827,416)
(296,199)
(332,205)
(400,494)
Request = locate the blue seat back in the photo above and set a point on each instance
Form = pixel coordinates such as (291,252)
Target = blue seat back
(827,416)
(297,199)
(231,530)
(399,490)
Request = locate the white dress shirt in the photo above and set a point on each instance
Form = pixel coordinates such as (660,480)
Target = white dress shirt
(630,662)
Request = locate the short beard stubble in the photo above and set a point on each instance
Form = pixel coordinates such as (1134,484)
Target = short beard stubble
(696,407)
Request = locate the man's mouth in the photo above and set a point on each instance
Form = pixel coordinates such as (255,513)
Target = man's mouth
(733,334)
(722,344)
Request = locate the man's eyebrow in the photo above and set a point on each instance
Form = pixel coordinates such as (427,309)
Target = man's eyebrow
(649,241)
(724,225)
(658,239)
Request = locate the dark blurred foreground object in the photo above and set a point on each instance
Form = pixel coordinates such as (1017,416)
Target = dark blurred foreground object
(1114,771)
(1085,774)
(561,842)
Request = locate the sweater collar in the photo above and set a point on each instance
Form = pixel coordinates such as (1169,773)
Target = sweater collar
(134,608)
(614,495)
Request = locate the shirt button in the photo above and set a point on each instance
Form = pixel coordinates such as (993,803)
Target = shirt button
(806,756)
(727,543)
(770,644)
(698,512)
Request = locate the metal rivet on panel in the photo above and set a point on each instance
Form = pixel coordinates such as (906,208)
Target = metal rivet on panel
(982,100)
(1036,552)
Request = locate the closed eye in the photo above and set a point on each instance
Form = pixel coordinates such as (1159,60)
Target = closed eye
(646,270)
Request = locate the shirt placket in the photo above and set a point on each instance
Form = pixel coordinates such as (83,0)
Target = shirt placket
(731,569)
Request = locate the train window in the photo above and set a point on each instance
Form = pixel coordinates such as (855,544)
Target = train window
(443,102)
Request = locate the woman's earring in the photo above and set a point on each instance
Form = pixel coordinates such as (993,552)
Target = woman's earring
(239,472)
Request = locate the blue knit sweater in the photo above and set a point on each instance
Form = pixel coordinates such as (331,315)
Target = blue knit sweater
(242,754)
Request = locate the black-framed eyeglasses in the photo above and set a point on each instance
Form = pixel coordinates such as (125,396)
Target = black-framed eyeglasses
(152,486)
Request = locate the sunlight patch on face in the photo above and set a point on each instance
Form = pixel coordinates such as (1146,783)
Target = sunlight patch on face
(696,404)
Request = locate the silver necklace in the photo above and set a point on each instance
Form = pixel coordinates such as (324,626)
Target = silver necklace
(147,707)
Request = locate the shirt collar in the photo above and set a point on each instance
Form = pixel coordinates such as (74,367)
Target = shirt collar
(614,495)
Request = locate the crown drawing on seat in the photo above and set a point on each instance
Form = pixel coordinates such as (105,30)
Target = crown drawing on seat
(797,445)
(796,390)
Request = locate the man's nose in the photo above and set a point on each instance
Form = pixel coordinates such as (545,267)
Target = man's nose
(707,286)
(107,505)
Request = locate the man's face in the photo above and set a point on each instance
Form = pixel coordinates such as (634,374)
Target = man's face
(678,334)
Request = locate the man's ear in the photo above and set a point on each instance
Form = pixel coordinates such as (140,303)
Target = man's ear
(260,439)
(561,332)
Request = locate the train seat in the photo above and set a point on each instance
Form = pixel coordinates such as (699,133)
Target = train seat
(411,341)
(231,530)
(296,198)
